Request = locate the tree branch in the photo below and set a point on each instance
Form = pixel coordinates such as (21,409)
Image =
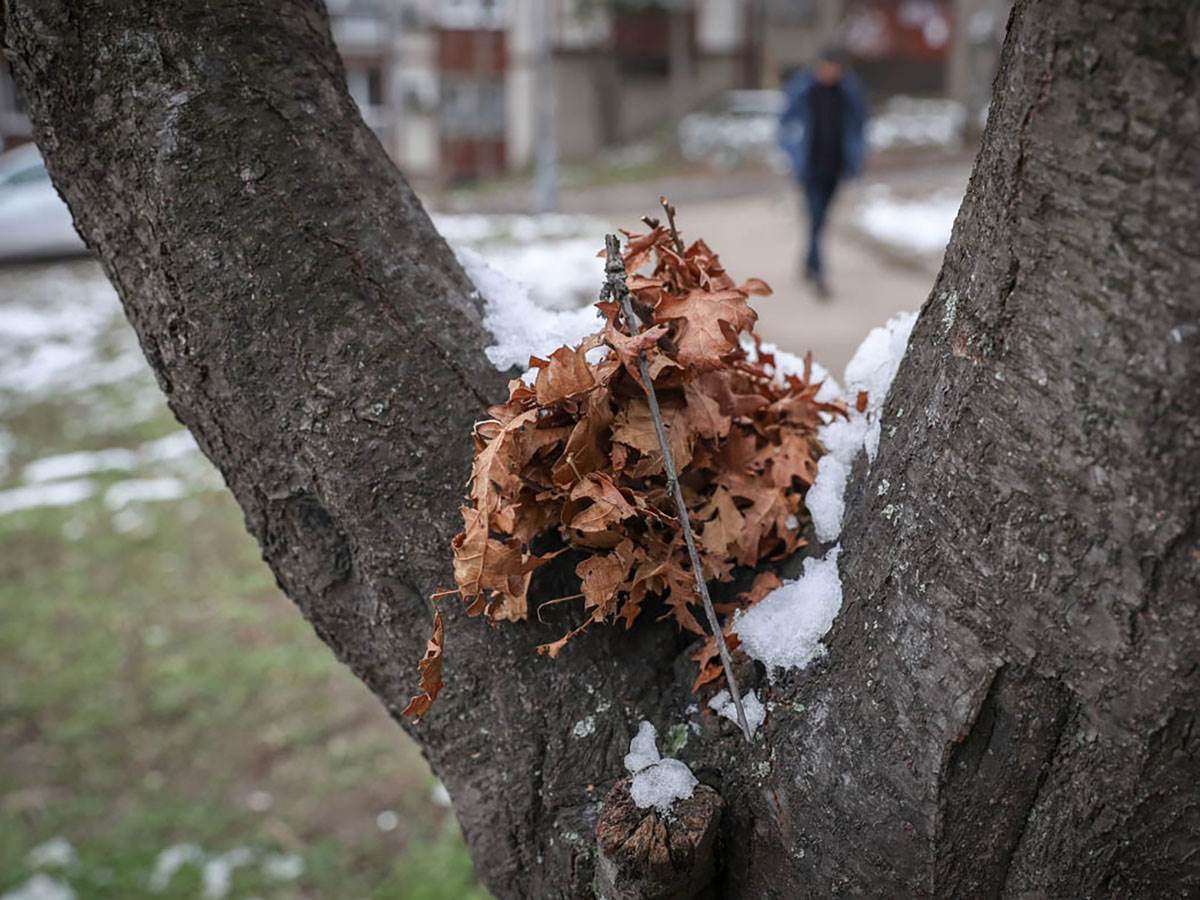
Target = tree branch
(614,287)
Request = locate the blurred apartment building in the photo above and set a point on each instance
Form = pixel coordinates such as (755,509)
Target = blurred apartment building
(451,87)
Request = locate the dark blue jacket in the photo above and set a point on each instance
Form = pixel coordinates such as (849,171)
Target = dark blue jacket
(795,123)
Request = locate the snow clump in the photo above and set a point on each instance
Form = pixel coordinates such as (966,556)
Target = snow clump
(520,327)
(723,704)
(657,782)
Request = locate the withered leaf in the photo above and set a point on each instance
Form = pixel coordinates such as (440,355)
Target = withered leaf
(567,374)
(711,323)
(430,666)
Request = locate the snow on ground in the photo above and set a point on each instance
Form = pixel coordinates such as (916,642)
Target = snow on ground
(784,630)
(54,853)
(172,465)
(58,343)
(912,226)
(746,128)
(657,782)
(915,122)
(35,496)
(41,887)
(216,869)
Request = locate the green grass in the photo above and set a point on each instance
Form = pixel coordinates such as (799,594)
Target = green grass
(156,689)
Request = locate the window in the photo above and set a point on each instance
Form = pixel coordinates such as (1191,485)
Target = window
(365,83)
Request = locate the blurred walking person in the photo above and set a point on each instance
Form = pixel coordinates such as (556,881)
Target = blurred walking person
(822,132)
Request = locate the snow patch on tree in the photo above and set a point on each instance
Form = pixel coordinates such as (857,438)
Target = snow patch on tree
(657,782)
(520,327)
(784,630)
(722,703)
(871,369)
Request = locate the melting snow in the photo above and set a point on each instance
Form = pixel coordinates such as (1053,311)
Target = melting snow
(217,873)
(784,629)
(283,866)
(723,704)
(56,852)
(657,782)
(35,496)
(41,887)
(520,326)
(913,226)
(170,861)
(216,869)
(72,465)
(143,490)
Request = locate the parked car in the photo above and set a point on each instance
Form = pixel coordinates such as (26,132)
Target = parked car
(34,221)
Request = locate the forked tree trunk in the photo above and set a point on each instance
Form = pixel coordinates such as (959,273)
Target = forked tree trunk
(1009,703)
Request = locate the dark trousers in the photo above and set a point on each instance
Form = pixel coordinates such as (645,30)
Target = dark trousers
(818,193)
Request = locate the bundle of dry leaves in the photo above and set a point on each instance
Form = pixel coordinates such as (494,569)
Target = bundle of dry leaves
(577,453)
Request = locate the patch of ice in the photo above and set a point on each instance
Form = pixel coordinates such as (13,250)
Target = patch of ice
(41,887)
(35,496)
(656,782)
(56,852)
(520,327)
(756,713)
(784,629)
(170,861)
(143,490)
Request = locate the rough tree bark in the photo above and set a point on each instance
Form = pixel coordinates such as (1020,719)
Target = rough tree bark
(1009,703)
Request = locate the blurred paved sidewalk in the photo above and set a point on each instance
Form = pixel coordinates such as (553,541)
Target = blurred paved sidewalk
(760,235)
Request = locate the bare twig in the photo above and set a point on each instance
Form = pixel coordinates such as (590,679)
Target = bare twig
(670,211)
(614,287)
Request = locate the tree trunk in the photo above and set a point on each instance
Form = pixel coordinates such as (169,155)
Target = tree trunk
(1008,706)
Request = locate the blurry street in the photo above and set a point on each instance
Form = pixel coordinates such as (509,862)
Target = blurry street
(876,268)
(762,235)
